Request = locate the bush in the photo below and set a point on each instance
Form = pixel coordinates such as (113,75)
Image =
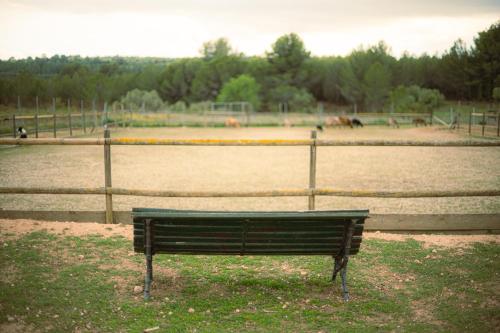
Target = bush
(137,99)
(200,106)
(415,98)
(496,94)
(244,88)
(179,106)
(298,99)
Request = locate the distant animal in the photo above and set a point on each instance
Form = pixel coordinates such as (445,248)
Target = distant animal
(392,122)
(287,123)
(232,122)
(419,121)
(319,128)
(345,121)
(22,133)
(338,121)
(356,122)
(332,121)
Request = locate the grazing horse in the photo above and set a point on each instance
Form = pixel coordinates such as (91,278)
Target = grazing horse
(338,121)
(232,122)
(332,121)
(419,121)
(22,133)
(356,122)
(392,122)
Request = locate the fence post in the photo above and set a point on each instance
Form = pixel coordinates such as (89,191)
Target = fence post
(14,126)
(69,118)
(104,119)
(54,117)
(312,170)
(458,120)
(14,116)
(84,125)
(36,118)
(484,122)
(95,115)
(470,122)
(247,114)
(107,176)
(498,123)
(432,116)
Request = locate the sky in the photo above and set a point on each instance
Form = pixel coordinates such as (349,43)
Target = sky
(178,28)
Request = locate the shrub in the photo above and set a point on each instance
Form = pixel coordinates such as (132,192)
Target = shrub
(415,98)
(298,99)
(244,88)
(138,99)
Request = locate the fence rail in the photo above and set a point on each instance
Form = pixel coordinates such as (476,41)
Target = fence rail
(245,142)
(242,194)
(108,191)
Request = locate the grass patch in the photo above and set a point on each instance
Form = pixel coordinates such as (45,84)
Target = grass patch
(63,284)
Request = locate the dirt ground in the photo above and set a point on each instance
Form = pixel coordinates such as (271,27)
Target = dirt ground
(258,168)
(10,229)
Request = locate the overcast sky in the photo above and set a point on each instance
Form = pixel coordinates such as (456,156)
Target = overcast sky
(177,28)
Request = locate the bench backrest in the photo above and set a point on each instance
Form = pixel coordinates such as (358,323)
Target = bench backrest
(248,233)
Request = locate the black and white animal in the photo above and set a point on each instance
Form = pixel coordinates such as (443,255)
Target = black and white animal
(22,133)
(356,122)
(319,128)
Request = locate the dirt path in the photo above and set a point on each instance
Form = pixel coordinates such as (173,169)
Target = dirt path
(15,228)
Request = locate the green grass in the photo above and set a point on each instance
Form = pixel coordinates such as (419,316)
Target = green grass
(60,284)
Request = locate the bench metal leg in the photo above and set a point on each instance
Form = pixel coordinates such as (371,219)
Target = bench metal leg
(341,266)
(149,276)
(336,267)
(149,260)
(343,274)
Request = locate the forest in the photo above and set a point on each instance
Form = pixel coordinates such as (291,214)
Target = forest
(369,77)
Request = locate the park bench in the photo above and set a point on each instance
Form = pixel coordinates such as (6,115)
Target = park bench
(333,233)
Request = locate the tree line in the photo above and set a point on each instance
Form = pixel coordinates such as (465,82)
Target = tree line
(369,78)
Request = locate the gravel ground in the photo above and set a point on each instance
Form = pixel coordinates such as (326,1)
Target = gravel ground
(258,168)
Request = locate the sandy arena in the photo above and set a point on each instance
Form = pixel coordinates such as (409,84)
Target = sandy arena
(258,168)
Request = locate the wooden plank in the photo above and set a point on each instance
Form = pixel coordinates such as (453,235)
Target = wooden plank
(256,225)
(272,215)
(312,170)
(433,222)
(248,142)
(256,194)
(107,178)
(253,253)
(199,240)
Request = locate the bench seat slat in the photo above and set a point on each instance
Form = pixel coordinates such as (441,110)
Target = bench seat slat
(250,228)
(148,212)
(254,234)
(256,240)
(253,252)
(251,222)
(310,251)
(161,245)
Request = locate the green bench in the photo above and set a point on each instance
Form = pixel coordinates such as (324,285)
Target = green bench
(333,233)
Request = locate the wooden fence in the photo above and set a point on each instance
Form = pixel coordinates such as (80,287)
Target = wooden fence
(311,192)
(485,119)
(83,119)
(68,119)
